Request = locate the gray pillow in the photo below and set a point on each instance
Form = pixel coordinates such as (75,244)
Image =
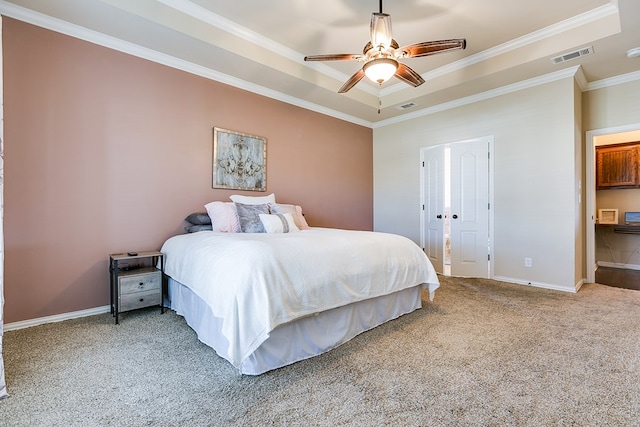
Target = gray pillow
(194,228)
(249,216)
(199,218)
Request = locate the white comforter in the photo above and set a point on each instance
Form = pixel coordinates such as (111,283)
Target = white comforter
(257,281)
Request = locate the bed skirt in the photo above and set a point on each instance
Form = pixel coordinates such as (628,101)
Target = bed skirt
(300,339)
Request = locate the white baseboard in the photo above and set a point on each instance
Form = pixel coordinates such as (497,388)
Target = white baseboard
(618,265)
(56,318)
(539,284)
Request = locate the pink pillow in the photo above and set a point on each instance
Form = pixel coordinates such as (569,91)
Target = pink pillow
(224,217)
(294,210)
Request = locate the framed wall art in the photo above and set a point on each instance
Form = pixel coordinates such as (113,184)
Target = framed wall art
(239,160)
(607,216)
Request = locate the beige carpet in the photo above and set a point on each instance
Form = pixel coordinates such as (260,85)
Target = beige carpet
(483,353)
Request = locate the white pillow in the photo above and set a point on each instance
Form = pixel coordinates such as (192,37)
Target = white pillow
(224,217)
(278,223)
(294,210)
(253,200)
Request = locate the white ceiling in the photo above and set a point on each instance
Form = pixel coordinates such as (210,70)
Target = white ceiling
(260,45)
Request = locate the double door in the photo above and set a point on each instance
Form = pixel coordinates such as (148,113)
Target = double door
(456,207)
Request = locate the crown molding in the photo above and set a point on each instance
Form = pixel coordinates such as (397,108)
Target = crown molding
(613,81)
(517,43)
(38,19)
(493,93)
(581,79)
(35,18)
(205,15)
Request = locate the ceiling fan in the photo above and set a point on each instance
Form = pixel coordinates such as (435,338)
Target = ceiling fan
(381,54)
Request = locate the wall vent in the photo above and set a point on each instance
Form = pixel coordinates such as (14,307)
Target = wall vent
(406,106)
(572,55)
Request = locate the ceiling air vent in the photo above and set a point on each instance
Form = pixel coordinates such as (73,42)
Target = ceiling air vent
(572,55)
(406,106)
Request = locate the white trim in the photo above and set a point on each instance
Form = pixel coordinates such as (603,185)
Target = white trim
(224,24)
(41,20)
(56,318)
(581,79)
(57,25)
(613,81)
(540,284)
(517,43)
(618,265)
(213,19)
(493,93)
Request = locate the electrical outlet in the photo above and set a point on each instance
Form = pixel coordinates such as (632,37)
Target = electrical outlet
(528,262)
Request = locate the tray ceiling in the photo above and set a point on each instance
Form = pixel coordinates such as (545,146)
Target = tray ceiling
(259,46)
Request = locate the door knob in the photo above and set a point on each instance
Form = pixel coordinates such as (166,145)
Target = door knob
(454,216)
(439,216)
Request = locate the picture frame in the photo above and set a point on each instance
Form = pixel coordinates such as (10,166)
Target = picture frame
(239,160)
(607,216)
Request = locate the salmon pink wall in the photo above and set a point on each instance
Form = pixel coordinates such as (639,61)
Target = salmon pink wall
(105,152)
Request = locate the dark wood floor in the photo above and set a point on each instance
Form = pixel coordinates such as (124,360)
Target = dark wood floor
(618,277)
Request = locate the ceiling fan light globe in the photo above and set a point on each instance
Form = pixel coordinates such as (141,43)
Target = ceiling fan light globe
(381,31)
(381,69)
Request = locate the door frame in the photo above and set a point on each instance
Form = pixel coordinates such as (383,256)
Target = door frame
(423,150)
(590,192)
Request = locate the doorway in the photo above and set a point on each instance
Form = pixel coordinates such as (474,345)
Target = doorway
(594,138)
(456,215)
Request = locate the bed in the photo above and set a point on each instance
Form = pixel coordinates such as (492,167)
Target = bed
(266,300)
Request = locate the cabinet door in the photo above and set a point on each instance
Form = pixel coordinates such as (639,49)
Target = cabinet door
(616,166)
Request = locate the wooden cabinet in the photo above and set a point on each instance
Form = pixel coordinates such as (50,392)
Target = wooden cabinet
(617,166)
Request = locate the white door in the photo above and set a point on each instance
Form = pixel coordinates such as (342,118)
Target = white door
(433,205)
(470,208)
(459,181)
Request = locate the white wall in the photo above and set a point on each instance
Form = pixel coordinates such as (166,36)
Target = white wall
(535,180)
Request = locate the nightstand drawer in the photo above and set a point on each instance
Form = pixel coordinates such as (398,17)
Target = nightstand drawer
(140,282)
(140,300)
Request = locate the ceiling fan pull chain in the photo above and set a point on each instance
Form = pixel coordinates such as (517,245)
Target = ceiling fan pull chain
(379,98)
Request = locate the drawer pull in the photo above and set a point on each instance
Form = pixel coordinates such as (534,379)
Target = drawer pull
(141,283)
(141,299)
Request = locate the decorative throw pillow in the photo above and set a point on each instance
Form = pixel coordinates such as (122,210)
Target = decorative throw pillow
(278,223)
(199,218)
(194,228)
(224,218)
(253,200)
(294,210)
(249,216)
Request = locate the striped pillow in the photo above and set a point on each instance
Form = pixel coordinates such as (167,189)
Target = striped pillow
(278,223)
(294,210)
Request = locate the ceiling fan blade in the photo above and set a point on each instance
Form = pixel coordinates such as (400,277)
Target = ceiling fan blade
(408,75)
(334,57)
(352,81)
(430,48)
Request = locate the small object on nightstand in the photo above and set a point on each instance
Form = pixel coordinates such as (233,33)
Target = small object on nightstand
(136,288)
